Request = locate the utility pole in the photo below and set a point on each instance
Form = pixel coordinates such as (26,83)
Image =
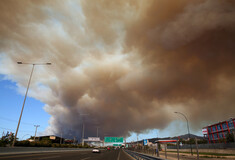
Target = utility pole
(61,138)
(36,131)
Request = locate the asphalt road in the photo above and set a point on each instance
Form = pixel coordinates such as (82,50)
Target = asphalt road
(15,150)
(70,155)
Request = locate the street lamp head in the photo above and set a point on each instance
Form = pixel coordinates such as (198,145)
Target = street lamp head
(48,63)
(19,62)
(175,112)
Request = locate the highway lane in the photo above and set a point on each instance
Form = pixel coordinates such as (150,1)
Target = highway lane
(68,155)
(13,150)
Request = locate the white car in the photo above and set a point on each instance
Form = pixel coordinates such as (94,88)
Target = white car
(95,150)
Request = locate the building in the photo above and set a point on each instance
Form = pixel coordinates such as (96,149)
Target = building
(52,138)
(217,132)
(94,141)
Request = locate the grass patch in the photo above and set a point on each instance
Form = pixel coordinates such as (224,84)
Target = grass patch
(212,157)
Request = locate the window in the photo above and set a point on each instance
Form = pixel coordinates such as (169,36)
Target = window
(224,125)
(230,124)
(219,127)
(209,129)
(213,129)
(215,136)
(221,135)
(211,137)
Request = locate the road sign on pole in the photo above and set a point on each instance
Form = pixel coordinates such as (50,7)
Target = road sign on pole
(113,139)
(145,142)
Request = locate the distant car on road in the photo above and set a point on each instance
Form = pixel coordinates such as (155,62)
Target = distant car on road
(95,150)
(108,148)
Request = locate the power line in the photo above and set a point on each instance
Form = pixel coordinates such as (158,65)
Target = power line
(7,128)
(7,119)
(14,129)
(12,120)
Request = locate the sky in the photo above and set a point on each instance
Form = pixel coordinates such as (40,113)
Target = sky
(124,66)
(11,104)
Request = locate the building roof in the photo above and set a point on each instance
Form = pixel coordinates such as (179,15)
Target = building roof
(219,123)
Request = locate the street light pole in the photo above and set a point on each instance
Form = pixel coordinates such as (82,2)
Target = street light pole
(137,139)
(26,95)
(83,128)
(36,131)
(97,133)
(188,130)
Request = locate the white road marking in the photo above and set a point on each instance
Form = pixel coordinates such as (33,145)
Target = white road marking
(85,158)
(119,154)
(49,157)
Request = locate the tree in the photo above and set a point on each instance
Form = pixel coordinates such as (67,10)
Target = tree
(230,137)
(7,140)
(191,141)
(202,141)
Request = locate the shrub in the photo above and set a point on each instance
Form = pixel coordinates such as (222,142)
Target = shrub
(3,143)
(230,137)
(22,143)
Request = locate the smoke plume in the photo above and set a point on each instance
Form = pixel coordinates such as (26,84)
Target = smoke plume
(124,66)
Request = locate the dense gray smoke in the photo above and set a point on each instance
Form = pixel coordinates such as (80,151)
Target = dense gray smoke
(128,65)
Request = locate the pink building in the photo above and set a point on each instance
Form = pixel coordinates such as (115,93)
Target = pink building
(218,131)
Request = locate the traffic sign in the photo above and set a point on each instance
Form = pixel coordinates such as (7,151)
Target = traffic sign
(113,139)
(145,142)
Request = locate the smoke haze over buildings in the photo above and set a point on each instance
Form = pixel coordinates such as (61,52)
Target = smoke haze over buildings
(127,64)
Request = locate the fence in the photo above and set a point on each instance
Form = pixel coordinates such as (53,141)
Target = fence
(205,146)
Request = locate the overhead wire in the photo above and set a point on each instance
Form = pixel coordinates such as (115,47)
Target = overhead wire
(25,123)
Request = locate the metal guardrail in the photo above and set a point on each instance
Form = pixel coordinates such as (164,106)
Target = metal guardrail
(140,156)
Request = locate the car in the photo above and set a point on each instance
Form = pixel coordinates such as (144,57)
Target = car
(95,150)
(108,148)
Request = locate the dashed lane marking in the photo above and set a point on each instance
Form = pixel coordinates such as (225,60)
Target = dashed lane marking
(85,158)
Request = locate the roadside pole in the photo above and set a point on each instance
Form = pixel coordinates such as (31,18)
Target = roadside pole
(157,150)
(36,131)
(165,151)
(61,138)
(83,133)
(197,148)
(178,155)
